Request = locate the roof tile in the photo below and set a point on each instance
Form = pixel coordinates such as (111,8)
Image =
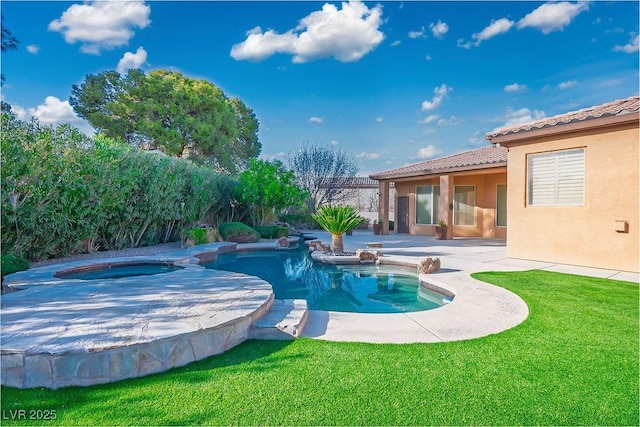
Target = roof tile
(614,108)
(490,155)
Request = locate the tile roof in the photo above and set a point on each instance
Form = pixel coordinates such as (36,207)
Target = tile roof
(614,108)
(352,182)
(490,156)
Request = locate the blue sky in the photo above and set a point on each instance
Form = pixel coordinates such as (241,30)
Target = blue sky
(391,83)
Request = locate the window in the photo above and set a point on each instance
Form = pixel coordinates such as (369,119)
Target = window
(501,206)
(556,179)
(464,203)
(427,204)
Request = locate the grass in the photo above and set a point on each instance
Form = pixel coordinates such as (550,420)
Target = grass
(574,361)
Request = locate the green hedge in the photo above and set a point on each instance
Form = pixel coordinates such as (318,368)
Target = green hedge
(271,231)
(238,232)
(13,264)
(77,193)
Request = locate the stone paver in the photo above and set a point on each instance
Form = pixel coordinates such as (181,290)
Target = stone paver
(59,332)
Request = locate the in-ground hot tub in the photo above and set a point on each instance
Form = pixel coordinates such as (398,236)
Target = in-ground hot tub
(117,270)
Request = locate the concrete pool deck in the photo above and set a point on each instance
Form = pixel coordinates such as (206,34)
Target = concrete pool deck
(479,309)
(73,332)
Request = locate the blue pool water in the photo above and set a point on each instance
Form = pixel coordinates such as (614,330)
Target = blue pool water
(348,288)
(116,271)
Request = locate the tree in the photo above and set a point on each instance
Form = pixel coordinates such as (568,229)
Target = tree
(322,171)
(8,42)
(165,110)
(266,188)
(246,146)
(337,220)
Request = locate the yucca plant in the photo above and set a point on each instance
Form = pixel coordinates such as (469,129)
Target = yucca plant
(337,220)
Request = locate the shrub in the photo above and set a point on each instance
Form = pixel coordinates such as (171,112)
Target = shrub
(238,232)
(391,225)
(106,194)
(200,236)
(272,231)
(13,264)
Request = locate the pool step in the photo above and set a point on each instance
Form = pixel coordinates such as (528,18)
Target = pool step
(285,321)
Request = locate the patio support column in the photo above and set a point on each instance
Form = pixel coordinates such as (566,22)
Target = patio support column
(383,205)
(445,211)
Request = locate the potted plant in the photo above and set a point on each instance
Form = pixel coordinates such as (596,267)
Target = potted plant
(441,230)
(377,227)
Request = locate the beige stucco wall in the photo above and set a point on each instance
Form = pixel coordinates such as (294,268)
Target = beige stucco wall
(486,195)
(580,235)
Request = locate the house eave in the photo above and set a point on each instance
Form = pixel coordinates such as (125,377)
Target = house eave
(437,172)
(601,123)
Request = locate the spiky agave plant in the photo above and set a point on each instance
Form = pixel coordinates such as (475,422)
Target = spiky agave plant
(337,220)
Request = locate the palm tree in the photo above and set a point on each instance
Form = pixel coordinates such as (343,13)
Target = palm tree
(337,220)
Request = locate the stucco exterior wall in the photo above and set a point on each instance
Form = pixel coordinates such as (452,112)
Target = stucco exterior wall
(485,210)
(580,235)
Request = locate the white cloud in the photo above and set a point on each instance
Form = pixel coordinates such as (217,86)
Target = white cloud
(379,119)
(631,47)
(515,87)
(317,120)
(496,27)
(132,60)
(435,102)
(33,49)
(448,122)
(396,43)
(427,152)
(334,142)
(369,156)
(552,17)
(416,34)
(608,83)
(428,58)
(53,111)
(439,30)
(347,35)
(523,115)
(567,84)
(429,119)
(476,139)
(101,25)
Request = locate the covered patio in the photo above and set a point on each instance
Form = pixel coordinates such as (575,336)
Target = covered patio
(467,191)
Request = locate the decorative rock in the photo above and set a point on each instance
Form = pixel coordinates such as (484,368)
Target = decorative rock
(282,243)
(366,256)
(429,265)
(317,245)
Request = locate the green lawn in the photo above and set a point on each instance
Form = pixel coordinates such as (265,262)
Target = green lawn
(574,361)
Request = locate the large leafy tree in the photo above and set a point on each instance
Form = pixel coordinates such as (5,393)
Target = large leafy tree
(267,187)
(322,171)
(8,42)
(177,115)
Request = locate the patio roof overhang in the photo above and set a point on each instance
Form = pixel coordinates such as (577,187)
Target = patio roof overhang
(433,173)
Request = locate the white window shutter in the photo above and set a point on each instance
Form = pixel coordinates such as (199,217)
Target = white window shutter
(556,179)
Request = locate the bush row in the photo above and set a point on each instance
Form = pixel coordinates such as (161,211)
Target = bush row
(64,193)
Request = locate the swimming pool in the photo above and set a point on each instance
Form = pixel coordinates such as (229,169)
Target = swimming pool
(116,270)
(346,288)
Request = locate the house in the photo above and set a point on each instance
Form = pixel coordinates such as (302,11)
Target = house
(360,192)
(467,190)
(572,187)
